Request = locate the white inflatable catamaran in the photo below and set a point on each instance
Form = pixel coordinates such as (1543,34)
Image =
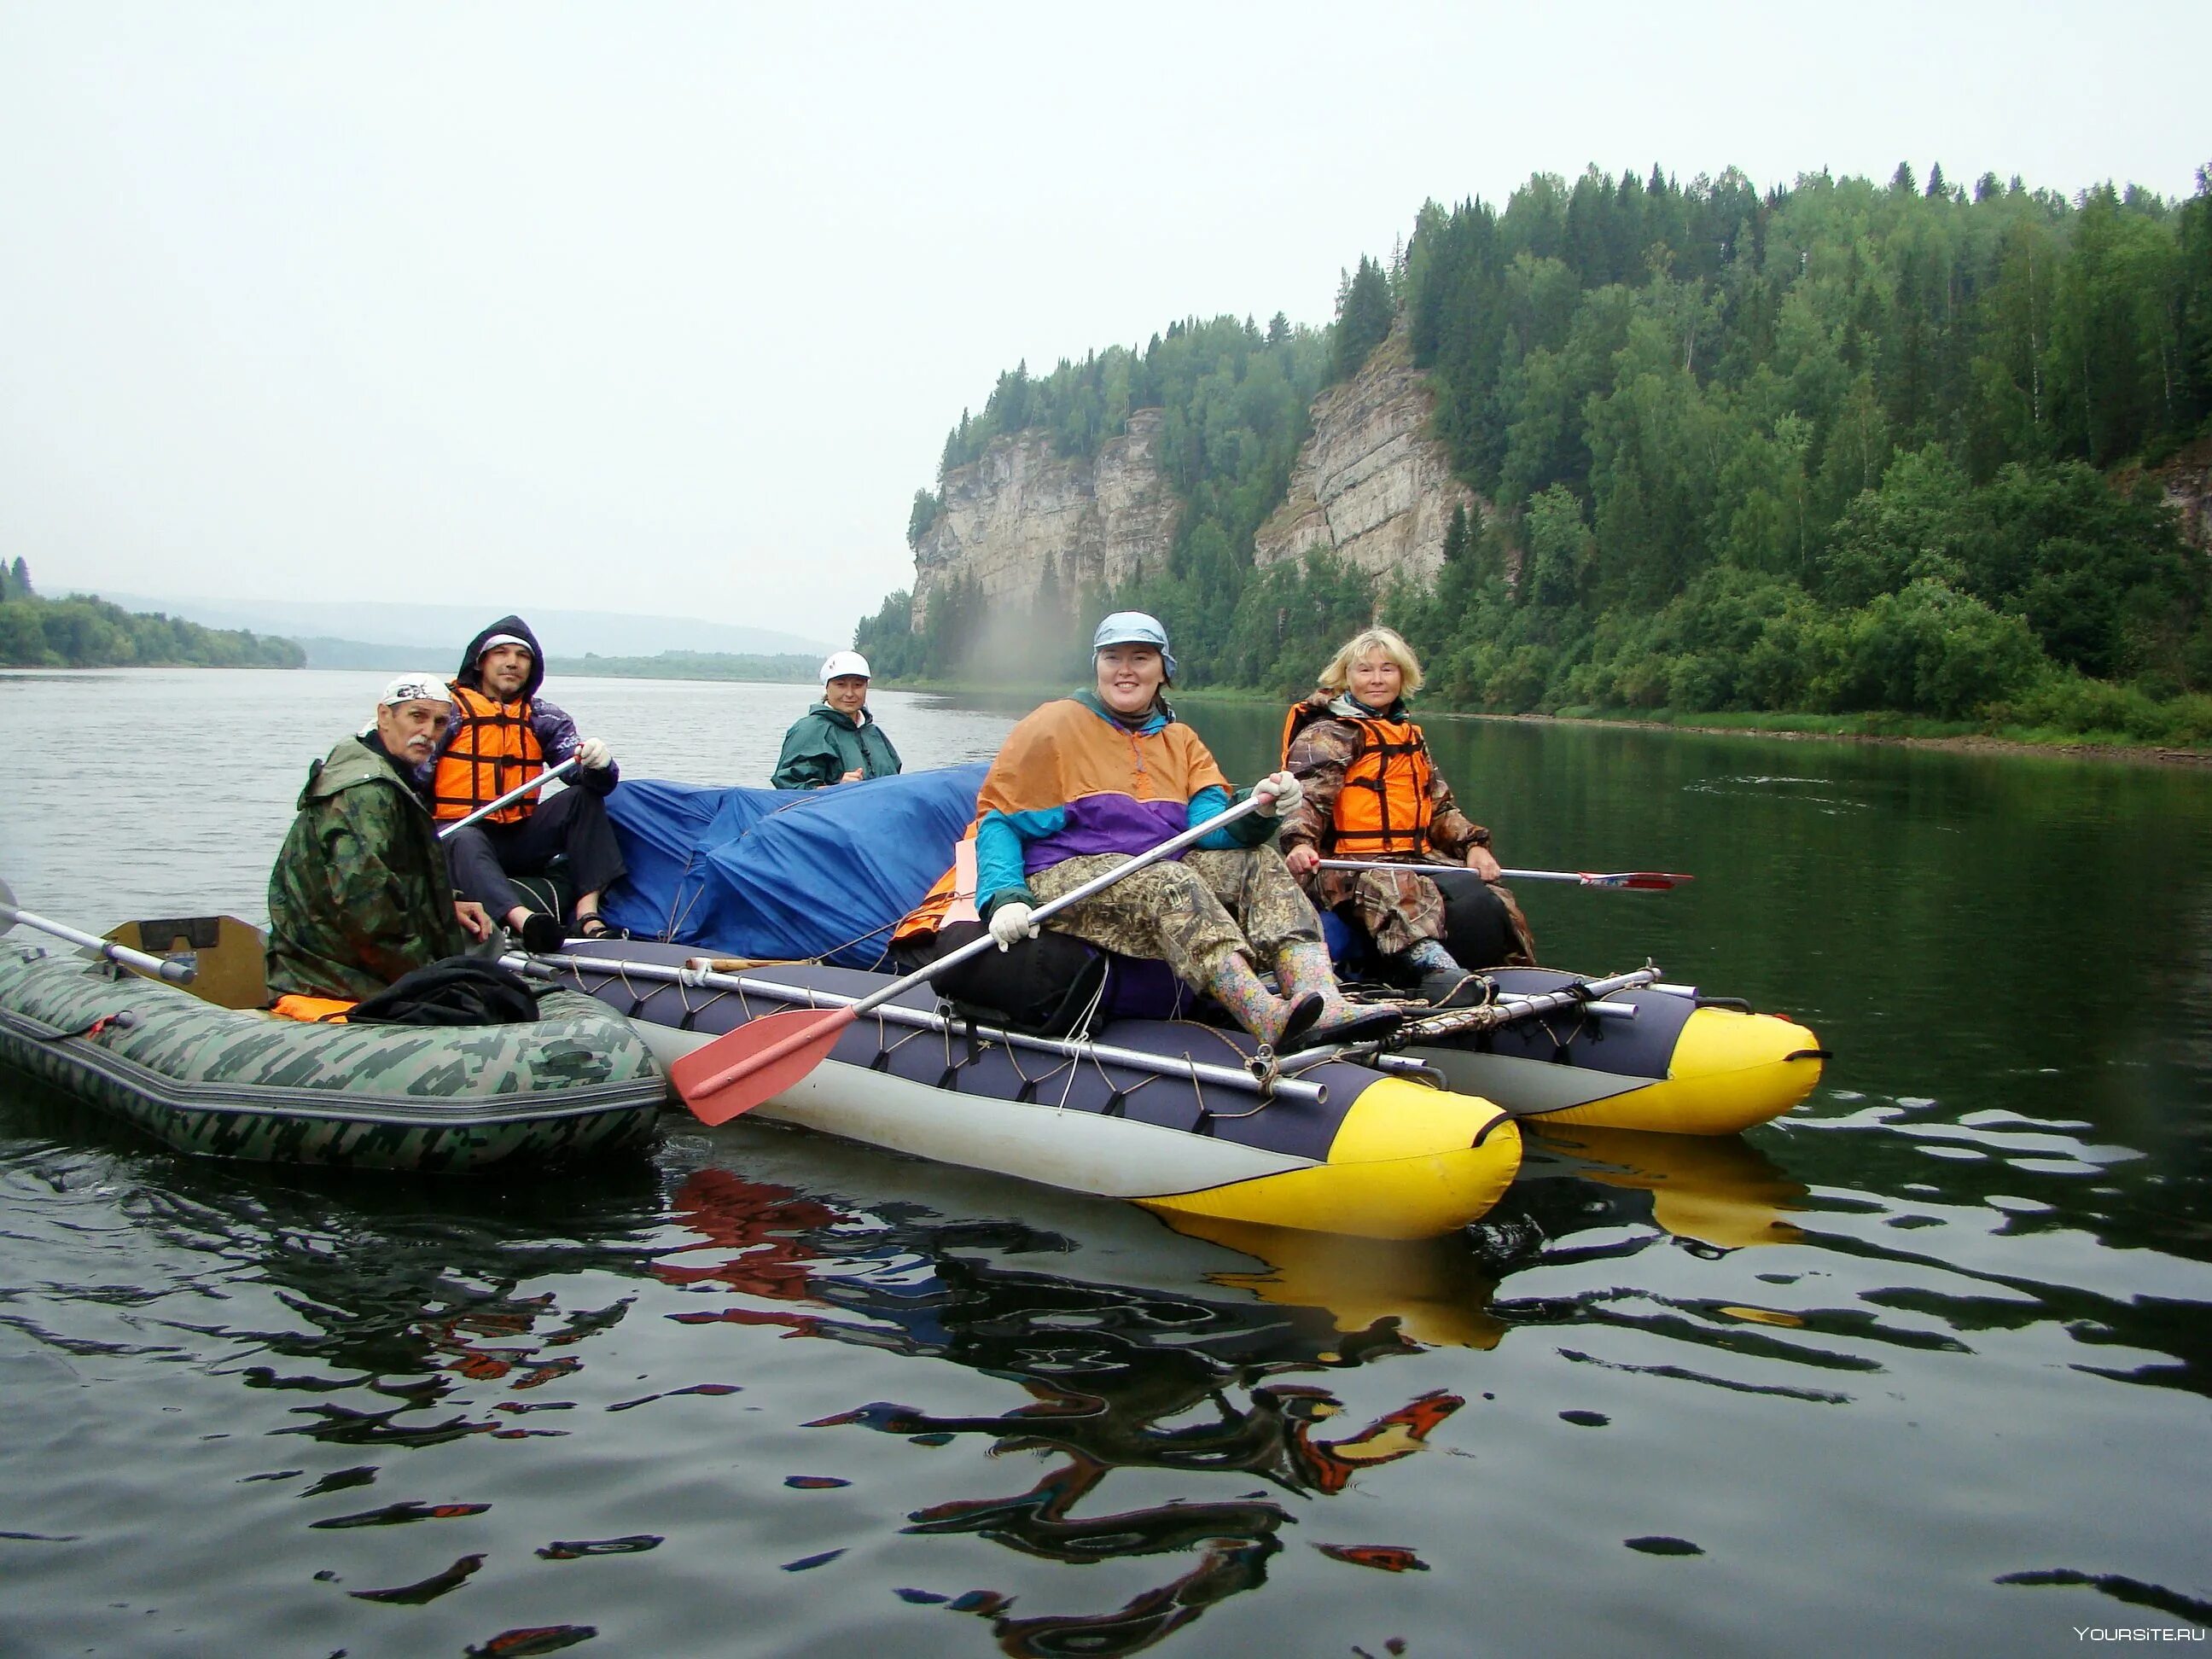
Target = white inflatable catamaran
(1185,1118)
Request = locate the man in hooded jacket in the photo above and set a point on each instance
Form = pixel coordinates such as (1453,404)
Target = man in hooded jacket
(502,734)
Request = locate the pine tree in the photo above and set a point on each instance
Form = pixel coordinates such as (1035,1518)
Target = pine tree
(1363,316)
(1458,537)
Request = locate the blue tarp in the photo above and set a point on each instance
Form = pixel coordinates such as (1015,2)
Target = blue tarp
(781,875)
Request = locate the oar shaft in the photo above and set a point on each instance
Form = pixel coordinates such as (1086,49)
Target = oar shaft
(177,973)
(1641,880)
(1583,994)
(1228,1077)
(446,831)
(1098,883)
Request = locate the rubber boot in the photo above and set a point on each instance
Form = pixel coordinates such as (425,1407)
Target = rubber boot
(1454,988)
(542,935)
(1426,957)
(1273,1019)
(1442,982)
(1302,967)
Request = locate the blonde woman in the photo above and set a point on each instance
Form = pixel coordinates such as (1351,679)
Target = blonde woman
(1374,792)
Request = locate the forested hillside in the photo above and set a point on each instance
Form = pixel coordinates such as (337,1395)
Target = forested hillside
(83,632)
(1844,445)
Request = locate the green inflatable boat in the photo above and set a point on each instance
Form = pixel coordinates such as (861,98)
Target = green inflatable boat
(235,1083)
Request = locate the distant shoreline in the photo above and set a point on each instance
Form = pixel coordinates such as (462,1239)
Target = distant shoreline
(558,670)
(1961,738)
(1968,742)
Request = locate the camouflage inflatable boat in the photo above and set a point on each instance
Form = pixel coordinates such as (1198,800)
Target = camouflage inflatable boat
(238,1083)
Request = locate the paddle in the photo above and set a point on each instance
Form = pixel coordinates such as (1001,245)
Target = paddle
(510,797)
(763,1057)
(1642,881)
(177,973)
(1585,996)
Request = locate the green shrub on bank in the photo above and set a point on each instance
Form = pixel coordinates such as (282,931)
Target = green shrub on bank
(2066,704)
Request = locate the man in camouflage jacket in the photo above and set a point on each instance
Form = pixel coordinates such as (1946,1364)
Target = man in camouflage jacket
(360,894)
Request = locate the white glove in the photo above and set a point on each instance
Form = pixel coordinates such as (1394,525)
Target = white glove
(1010,923)
(593,755)
(1283,789)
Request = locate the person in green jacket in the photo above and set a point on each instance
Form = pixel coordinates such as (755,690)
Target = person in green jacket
(838,740)
(360,894)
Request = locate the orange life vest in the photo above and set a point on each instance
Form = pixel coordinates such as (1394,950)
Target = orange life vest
(313,1011)
(493,749)
(952,899)
(1383,808)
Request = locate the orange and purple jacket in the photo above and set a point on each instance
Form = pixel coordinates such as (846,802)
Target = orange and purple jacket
(1071,780)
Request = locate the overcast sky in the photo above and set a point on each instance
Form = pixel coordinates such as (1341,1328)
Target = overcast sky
(667,307)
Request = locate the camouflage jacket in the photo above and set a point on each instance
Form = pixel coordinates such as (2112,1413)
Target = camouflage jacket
(1322,747)
(360,894)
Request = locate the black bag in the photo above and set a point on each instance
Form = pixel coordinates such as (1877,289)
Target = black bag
(459,991)
(1477,933)
(1044,985)
(1477,930)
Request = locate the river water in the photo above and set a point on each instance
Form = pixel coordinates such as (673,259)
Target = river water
(1922,1369)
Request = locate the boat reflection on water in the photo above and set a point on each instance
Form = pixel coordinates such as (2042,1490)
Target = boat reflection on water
(1435,1289)
(1198,1351)
(1181,1390)
(1159,1351)
(400,1295)
(1715,1192)
(415,1315)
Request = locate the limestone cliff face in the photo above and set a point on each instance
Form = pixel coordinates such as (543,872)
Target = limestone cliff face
(1022,509)
(1370,485)
(2186,480)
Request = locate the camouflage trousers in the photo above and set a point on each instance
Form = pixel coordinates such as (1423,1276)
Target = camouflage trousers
(1190,915)
(1399,908)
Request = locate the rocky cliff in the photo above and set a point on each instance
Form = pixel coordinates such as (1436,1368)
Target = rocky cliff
(1023,509)
(1370,485)
(2186,480)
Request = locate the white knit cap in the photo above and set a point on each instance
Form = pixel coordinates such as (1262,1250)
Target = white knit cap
(498,640)
(839,664)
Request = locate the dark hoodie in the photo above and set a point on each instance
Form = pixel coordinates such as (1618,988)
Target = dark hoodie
(466,673)
(556,732)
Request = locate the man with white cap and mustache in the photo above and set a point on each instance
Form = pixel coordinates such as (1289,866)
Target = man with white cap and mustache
(360,894)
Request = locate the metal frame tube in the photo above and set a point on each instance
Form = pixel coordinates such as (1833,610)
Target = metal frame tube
(177,973)
(708,979)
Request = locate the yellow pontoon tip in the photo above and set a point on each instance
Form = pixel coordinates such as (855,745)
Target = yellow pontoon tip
(1409,1162)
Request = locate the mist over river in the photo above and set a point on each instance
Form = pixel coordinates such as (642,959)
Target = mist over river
(1922,1367)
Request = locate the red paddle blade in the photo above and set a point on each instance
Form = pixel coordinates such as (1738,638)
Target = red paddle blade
(1643,881)
(758,1061)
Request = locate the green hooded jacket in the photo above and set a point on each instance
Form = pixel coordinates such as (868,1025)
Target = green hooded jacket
(360,894)
(824,744)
